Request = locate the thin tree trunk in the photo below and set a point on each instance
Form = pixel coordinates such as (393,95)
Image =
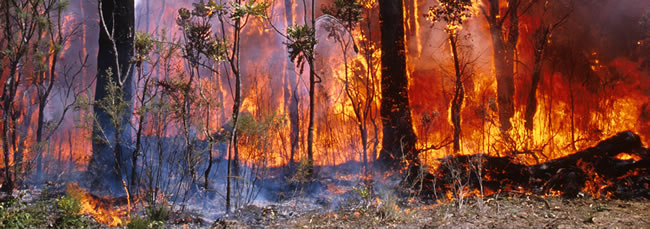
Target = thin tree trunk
(531,105)
(291,97)
(234,65)
(459,94)
(312,101)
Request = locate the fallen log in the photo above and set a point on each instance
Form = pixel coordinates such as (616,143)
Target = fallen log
(594,171)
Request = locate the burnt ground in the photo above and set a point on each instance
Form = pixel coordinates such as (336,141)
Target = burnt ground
(346,202)
(504,210)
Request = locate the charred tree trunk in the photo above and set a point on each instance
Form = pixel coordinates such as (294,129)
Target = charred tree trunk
(39,135)
(399,138)
(8,126)
(294,117)
(43,96)
(459,94)
(312,99)
(290,97)
(115,53)
(569,174)
(504,43)
(233,160)
(531,105)
(19,154)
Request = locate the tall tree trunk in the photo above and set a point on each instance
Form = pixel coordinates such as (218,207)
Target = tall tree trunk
(398,135)
(504,43)
(312,99)
(290,95)
(104,166)
(233,148)
(8,127)
(531,103)
(459,94)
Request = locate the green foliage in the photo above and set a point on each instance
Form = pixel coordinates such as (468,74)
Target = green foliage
(452,12)
(113,103)
(303,172)
(68,205)
(348,11)
(157,212)
(144,223)
(198,32)
(69,211)
(365,192)
(251,8)
(143,46)
(248,126)
(17,214)
(302,40)
(13,215)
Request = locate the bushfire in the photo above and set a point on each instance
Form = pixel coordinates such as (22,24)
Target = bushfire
(210,106)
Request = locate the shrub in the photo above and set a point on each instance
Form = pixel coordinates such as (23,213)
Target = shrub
(69,212)
(144,223)
(157,212)
(13,215)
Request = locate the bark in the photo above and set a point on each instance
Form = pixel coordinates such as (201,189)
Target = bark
(233,148)
(43,96)
(398,136)
(459,94)
(312,100)
(104,168)
(290,96)
(8,127)
(504,43)
(531,104)
(569,174)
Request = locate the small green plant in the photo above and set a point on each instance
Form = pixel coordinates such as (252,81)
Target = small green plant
(302,174)
(13,215)
(365,192)
(69,212)
(157,212)
(16,214)
(144,223)
(387,208)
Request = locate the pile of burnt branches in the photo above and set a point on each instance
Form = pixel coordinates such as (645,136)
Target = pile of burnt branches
(595,171)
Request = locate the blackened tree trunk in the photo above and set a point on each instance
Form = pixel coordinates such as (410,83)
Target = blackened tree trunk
(117,20)
(290,96)
(541,42)
(312,98)
(504,43)
(531,103)
(399,139)
(459,94)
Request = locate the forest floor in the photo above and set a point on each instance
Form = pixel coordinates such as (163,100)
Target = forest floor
(507,210)
(358,207)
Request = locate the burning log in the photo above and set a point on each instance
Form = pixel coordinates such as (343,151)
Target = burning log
(602,171)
